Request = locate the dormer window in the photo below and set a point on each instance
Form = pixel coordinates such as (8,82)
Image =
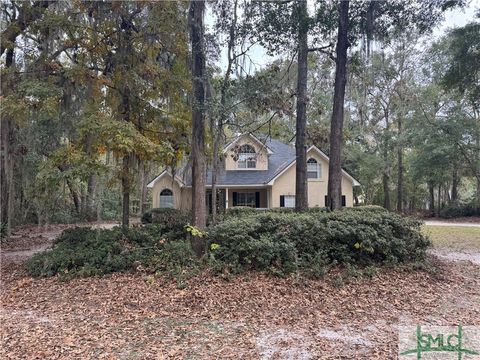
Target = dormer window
(247,158)
(313,169)
(166,198)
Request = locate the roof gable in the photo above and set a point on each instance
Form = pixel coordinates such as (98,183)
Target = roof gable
(282,157)
(262,144)
(322,155)
(151,184)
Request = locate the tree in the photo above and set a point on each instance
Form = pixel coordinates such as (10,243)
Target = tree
(197,32)
(463,75)
(336,133)
(301,188)
(98,82)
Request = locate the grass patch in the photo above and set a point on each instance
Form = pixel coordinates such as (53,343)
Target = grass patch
(454,237)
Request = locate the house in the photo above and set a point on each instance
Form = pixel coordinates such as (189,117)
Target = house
(255,173)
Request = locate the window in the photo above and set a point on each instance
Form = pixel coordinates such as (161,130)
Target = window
(246,199)
(166,198)
(247,158)
(344,200)
(313,169)
(288,201)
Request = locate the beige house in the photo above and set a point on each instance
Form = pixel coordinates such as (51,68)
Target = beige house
(255,173)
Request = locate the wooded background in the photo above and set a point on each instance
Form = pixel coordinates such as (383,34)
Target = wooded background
(97,97)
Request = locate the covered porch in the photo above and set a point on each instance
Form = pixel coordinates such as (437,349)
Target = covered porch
(227,197)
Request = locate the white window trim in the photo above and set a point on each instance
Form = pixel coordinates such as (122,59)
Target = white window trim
(166,201)
(289,201)
(318,169)
(245,159)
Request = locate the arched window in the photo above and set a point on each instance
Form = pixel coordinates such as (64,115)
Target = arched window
(313,169)
(166,198)
(247,158)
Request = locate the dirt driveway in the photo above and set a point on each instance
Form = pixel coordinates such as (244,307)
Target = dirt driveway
(28,240)
(139,316)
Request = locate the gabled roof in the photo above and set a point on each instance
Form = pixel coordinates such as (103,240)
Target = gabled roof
(165,172)
(324,156)
(262,144)
(281,158)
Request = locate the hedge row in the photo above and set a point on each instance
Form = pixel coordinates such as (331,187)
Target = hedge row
(283,243)
(90,252)
(277,241)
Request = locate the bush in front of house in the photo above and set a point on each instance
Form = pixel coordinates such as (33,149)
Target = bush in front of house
(278,242)
(455,210)
(81,252)
(172,219)
(282,242)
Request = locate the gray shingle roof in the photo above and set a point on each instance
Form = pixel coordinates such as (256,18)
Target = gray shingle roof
(282,156)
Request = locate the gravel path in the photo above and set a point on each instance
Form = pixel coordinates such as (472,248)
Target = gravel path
(447,223)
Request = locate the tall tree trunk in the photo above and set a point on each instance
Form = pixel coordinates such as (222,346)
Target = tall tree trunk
(75,197)
(142,188)
(126,191)
(8,136)
(386,166)
(455,181)
(386,191)
(477,145)
(217,131)
(126,164)
(91,185)
(336,132)
(301,184)
(439,200)
(432,196)
(197,10)
(214,178)
(400,166)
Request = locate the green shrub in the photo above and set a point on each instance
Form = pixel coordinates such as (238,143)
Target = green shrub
(175,257)
(146,217)
(172,220)
(274,241)
(238,211)
(90,252)
(63,216)
(316,239)
(369,208)
(459,210)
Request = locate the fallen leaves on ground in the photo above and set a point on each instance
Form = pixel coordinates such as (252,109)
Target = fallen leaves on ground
(129,316)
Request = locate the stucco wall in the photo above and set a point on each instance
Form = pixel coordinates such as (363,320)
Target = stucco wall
(262,155)
(182,198)
(317,188)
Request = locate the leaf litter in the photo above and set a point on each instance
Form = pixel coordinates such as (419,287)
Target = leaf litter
(253,316)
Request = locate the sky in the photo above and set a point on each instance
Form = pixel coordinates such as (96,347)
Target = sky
(453,18)
(457,17)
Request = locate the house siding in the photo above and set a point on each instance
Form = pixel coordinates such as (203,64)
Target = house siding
(182,197)
(262,156)
(317,188)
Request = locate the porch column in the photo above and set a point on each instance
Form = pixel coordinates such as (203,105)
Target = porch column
(226,198)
